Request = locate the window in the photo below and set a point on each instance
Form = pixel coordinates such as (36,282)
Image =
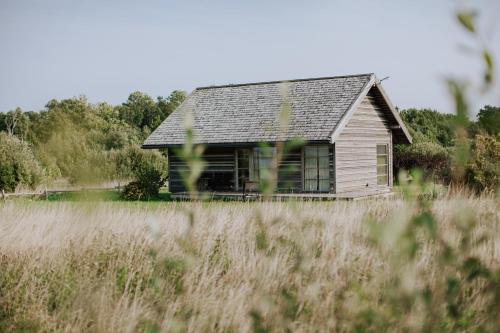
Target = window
(316,169)
(263,162)
(243,166)
(382,164)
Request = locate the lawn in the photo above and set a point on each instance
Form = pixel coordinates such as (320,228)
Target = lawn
(100,196)
(248,267)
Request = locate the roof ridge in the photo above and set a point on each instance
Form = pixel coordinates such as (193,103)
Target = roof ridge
(283,81)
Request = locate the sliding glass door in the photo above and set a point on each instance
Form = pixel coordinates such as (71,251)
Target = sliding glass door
(316,169)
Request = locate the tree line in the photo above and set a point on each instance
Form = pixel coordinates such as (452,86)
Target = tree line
(90,143)
(80,141)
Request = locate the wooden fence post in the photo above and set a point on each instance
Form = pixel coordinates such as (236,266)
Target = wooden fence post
(46,194)
(3,195)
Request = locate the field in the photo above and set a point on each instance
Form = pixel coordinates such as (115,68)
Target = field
(374,265)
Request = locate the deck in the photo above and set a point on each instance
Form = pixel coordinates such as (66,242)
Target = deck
(240,196)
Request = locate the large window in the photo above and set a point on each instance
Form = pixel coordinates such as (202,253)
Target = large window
(316,169)
(382,164)
(263,162)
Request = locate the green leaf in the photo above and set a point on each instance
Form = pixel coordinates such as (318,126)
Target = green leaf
(488,61)
(466,19)
(261,240)
(427,221)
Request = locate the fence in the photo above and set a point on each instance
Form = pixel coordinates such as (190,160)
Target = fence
(45,193)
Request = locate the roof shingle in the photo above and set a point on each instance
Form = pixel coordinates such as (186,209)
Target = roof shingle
(249,113)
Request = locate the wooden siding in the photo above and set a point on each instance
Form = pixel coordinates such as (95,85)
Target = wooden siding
(356,149)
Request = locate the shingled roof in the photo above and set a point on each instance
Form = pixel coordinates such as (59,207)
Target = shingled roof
(249,113)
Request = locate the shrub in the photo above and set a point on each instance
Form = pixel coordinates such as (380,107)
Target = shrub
(483,168)
(430,157)
(149,169)
(18,166)
(133,191)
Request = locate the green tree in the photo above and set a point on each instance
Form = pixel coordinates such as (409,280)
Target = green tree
(435,126)
(140,111)
(488,119)
(169,104)
(16,122)
(18,165)
(83,142)
(143,113)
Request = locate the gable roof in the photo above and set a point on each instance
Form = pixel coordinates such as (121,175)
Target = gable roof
(249,113)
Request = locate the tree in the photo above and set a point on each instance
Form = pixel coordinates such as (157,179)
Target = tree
(488,119)
(16,123)
(18,165)
(435,126)
(140,111)
(169,104)
(83,142)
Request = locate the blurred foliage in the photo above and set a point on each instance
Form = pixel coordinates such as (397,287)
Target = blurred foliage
(88,143)
(18,165)
(483,167)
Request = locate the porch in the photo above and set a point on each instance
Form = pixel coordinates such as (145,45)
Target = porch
(227,169)
(240,196)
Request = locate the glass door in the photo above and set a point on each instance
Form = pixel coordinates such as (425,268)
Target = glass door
(316,169)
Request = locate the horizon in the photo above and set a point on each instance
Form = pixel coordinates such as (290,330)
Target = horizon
(105,51)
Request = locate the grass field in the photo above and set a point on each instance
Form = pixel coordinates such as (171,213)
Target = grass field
(248,267)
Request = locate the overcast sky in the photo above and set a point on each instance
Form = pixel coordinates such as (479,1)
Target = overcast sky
(107,49)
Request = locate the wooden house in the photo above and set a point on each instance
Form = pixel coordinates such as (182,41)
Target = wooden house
(348,123)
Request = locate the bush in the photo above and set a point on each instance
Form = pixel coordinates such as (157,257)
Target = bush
(483,168)
(430,157)
(149,169)
(18,166)
(133,191)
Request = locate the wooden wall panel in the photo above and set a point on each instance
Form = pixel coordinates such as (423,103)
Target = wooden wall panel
(356,149)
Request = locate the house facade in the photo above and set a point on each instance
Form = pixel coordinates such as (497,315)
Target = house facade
(347,124)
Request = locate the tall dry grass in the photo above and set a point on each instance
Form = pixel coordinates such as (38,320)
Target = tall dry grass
(224,267)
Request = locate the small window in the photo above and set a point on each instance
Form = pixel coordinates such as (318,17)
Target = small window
(382,164)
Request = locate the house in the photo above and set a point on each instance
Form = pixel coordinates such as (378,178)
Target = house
(348,123)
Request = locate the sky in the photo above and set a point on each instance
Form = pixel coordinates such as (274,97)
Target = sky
(107,49)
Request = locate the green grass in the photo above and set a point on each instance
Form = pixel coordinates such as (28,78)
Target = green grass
(101,196)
